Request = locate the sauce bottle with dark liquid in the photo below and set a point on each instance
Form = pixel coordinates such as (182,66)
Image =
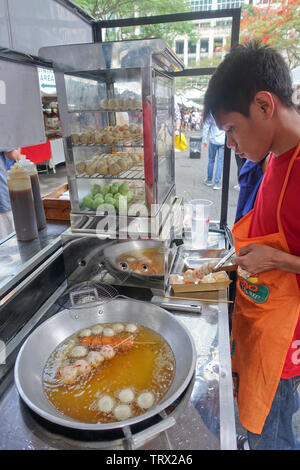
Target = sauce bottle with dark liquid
(22,204)
(36,191)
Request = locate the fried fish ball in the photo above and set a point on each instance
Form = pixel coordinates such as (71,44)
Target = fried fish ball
(83,367)
(107,351)
(95,358)
(122,412)
(145,400)
(78,351)
(105,404)
(108,332)
(118,327)
(68,374)
(85,332)
(97,329)
(126,395)
(131,327)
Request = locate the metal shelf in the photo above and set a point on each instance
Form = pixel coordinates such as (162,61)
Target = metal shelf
(134,173)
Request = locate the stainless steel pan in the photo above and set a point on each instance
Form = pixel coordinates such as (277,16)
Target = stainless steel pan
(39,345)
(113,252)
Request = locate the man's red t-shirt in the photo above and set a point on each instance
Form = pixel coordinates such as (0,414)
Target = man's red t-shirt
(264,222)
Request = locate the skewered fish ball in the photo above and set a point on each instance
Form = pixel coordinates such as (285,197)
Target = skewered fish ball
(97,329)
(78,351)
(83,367)
(85,332)
(107,351)
(68,374)
(95,358)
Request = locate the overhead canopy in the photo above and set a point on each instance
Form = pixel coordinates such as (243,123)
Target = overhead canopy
(181,100)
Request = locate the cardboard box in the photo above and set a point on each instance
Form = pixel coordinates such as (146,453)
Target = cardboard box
(55,208)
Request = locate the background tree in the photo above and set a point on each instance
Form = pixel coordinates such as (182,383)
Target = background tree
(277,24)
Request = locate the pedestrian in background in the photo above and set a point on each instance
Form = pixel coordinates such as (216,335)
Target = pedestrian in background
(215,149)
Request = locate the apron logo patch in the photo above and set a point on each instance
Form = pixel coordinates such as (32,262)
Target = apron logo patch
(259,293)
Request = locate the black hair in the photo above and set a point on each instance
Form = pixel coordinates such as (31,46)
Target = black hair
(245,70)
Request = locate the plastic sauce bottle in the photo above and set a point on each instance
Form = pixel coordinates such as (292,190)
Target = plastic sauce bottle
(22,204)
(36,191)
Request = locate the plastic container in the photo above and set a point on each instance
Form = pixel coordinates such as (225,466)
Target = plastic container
(21,198)
(36,191)
(200,214)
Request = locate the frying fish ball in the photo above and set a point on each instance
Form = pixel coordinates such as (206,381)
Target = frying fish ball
(85,332)
(82,366)
(108,332)
(97,329)
(122,412)
(118,327)
(145,400)
(95,358)
(107,351)
(68,374)
(78,351)
(131,327)
(126,395)
(106,404)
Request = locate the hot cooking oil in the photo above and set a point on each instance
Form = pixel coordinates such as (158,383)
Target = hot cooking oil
(148,366)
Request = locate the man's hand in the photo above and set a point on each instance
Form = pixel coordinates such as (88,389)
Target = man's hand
(204,145)
(177,131)
(255,258)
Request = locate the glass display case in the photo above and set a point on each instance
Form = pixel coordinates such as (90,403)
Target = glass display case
(116,104)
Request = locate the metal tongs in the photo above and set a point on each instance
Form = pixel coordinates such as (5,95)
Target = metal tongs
(223,260)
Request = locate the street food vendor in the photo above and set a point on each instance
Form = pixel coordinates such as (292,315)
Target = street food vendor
(250,97)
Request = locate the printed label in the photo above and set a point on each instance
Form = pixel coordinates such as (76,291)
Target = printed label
(259,293)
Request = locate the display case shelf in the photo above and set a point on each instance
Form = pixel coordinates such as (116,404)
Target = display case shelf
(135,173)
(101,110)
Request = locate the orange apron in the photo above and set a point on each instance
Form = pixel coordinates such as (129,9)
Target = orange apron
(265,317)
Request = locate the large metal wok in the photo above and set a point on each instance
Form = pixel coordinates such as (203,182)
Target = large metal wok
(39,345)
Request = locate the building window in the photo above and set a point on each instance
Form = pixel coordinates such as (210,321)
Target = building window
(218,42)
(179,47)
(201,5)
(204,45)
(230,4)
(191,48)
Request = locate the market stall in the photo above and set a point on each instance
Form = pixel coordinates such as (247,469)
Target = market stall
(116,107)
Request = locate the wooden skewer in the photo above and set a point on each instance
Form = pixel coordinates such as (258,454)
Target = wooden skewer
(199,300)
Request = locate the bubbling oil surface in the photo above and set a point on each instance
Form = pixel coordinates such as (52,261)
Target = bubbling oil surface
(148,366)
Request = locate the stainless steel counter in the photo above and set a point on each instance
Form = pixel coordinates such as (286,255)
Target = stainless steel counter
(18,259)
(202,419)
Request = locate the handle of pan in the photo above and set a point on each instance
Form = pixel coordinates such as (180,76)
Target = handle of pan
(147,434)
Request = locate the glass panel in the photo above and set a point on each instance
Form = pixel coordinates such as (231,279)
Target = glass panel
(191,166)
(106,126)
(164,135)
(198,43)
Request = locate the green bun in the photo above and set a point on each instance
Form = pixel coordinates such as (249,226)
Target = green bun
(124,188)
(129,195)
(87,202)
(96,189)
(114,188)
(105,188)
